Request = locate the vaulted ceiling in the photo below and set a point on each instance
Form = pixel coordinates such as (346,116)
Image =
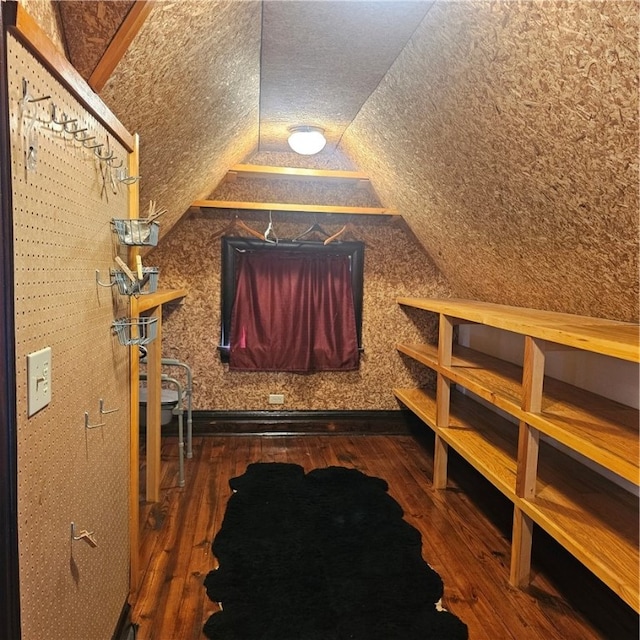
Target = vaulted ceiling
(320,62)
(504,133)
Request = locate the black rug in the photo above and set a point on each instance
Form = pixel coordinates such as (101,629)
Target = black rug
(321,556)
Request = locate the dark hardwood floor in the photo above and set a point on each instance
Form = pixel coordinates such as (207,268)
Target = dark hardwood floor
(465,532)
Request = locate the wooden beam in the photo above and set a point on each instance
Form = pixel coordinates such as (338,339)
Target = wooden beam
(522,540)
(443,401)
(120,43)
(134,393)
(154,410)
(21,25)
(305,208)
(294,173)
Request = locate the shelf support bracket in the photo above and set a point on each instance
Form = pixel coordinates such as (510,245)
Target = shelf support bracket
(443,402)
(527,469)
(529,437)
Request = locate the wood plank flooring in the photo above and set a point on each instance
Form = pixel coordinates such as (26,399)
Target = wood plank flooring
(465,531)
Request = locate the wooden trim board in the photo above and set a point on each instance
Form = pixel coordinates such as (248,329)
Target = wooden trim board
(120,43)
(303,208)
(28,32)
(295,173)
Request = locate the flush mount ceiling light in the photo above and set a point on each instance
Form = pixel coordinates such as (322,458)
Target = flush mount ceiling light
(306,140)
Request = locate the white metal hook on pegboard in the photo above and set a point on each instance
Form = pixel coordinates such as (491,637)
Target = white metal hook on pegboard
(83,534)
(31,130)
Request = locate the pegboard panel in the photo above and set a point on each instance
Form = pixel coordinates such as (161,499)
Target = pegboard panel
(64,197)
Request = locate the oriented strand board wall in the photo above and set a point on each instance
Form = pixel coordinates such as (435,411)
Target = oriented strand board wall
(506,134)
(189,86)
(395,265)
(45,13)
(66,473)
(89,28)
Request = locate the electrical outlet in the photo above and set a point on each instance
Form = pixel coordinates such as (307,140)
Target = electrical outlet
(38,380)
(276,398)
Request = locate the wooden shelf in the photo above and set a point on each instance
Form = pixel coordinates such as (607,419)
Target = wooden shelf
(598,428)
(302,208)
(152,305)
(160,297)
(357,178)
(599,335)
(487,446)
(582,505)
(590,516)
(294,173)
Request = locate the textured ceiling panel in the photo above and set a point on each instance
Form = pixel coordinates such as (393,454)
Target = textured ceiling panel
(45,13)
(322,60)
(507,135)
(189,86)
(334,160)
(89,27)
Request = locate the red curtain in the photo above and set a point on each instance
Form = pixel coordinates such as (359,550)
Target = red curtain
(293,312)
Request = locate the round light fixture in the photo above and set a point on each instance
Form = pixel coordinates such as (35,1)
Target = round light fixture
(306,140)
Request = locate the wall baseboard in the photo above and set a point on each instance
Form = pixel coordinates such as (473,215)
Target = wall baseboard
(397,422)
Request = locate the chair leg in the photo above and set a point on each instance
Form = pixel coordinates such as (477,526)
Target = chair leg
(189,427)
(180,451)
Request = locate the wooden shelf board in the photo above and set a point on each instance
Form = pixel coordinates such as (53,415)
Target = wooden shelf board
(303,208)
(489,450)
(490,445)
(595,523)
(162,296)
(599,335)
(598,428)
(589,515)
(494,380)
(421,401)
(294,173)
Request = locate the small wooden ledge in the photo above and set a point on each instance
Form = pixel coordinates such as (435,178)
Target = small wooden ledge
(158,298)
(302,208)
(294,173)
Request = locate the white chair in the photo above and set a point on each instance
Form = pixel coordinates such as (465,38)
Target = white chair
(183,396)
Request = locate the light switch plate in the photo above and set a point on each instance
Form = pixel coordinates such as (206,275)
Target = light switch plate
(39,380)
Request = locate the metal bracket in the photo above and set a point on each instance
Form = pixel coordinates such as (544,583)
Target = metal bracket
(91,426)
(87,536)
(103,284)
(104,411)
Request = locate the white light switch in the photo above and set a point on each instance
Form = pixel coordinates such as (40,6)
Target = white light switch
(39,380)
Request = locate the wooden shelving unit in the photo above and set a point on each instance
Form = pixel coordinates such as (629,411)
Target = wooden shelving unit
(151,305)
(574,501)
